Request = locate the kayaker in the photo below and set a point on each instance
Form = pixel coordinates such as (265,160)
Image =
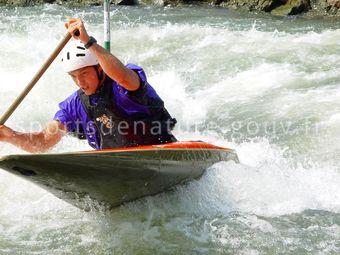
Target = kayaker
(115,105)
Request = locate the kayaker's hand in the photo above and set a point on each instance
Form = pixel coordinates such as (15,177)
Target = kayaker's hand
(5,133)
(77,24)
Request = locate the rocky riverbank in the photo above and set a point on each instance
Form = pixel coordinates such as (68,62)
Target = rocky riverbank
(276,7)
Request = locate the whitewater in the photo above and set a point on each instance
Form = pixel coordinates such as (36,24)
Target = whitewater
(265,86)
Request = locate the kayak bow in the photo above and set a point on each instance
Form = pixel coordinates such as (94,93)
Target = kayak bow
(116,176)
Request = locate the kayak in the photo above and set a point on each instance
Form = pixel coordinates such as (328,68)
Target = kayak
(112,177)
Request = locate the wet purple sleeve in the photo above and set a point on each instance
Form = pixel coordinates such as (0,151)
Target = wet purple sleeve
(67,113)
(139,71)
(145,94)
(142,90)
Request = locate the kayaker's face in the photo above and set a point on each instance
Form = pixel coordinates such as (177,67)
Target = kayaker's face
(86,79)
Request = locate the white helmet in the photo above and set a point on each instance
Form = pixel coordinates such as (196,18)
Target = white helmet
(76,56)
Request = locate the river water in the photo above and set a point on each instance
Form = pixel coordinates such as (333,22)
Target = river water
(266,86)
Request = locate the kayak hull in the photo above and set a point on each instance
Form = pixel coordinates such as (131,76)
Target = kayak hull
(115,176)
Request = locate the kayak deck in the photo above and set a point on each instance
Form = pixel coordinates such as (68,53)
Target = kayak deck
(116,176)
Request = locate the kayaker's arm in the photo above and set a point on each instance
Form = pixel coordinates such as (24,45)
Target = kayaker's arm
(111,65)
(34,142)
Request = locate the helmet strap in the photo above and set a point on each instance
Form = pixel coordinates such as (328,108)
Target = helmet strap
(99,74)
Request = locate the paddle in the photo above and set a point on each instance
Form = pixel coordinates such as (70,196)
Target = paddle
(36,77)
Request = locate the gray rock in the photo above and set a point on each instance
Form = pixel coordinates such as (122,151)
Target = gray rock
(251,5)
(128,2)
(276,7)
(292,7)
(21,2)
(330,6)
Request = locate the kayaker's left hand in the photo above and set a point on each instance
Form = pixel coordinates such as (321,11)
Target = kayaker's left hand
(5,133)
(77,24)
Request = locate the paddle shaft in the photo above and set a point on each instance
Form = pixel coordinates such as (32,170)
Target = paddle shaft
(35,79)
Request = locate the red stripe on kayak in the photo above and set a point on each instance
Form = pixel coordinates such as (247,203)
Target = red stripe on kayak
(176,145)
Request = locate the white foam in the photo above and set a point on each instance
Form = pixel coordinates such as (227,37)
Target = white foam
(200,70)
